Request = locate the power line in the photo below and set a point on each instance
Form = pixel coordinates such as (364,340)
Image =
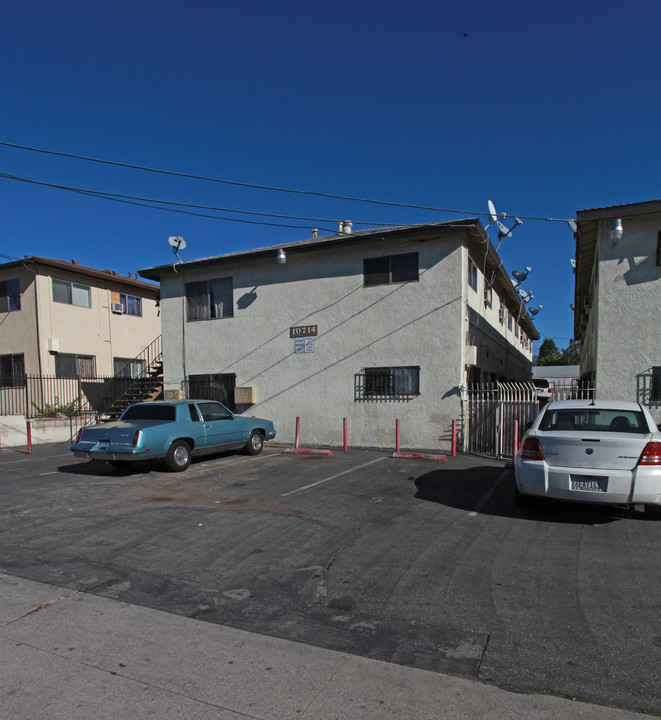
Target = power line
(260,187)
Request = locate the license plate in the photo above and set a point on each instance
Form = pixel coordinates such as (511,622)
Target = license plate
(104,444)
(588,483)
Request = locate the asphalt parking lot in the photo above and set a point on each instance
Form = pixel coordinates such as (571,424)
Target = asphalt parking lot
(414,562)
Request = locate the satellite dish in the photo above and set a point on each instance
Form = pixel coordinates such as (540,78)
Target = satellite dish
(520,275)
(535,310)
(177,242)
(502,230)
(573,263)
(572,225)
(526,296)
(492,212)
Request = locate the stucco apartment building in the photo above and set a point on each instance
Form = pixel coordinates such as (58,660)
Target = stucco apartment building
(617,300)
(371,326)
(59,318)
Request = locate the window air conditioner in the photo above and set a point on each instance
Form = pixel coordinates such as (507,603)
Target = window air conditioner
(117,308)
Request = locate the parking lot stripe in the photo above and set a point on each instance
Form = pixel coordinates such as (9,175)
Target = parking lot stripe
(332,477)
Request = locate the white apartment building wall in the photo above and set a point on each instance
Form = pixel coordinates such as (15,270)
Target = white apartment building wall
(423,324)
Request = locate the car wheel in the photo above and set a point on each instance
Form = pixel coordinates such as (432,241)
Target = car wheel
(121,464)
(521,500)
(179,456)
(653,512)
(255,443)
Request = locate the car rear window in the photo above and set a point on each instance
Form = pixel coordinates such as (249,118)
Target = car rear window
(149,412)
(594,420)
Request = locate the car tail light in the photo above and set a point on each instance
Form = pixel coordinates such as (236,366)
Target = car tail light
(531,449)
(136,437)
(651,454)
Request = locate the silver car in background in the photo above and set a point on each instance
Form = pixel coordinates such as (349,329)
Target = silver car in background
(594,451)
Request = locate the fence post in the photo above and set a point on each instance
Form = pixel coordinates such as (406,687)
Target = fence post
(516,439)
(454,438)
(397,435)
(29,422)
(298,430)
(346,444)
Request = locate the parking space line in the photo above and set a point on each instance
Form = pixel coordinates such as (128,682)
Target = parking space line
(485,498)
(332,477)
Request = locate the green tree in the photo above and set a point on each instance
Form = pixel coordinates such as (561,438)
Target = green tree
(571,355)
(548,353)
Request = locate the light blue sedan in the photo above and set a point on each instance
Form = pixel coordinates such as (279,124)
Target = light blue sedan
(175,431)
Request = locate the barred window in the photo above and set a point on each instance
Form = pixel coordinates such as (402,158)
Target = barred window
(655,385)
(12,370)
(391,382)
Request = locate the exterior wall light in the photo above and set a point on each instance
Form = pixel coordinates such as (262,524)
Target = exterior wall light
(282,258)
(617,231)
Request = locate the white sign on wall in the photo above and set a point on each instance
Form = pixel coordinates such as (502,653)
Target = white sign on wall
(303,345)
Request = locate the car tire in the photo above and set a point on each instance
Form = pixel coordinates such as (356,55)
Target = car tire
(255,443)
(521,500)
(653,512)
(178,457)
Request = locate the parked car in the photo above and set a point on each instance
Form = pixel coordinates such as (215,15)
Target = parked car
(175,431)
(544,389)
(594,451)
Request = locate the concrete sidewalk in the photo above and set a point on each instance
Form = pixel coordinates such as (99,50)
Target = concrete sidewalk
(70,655)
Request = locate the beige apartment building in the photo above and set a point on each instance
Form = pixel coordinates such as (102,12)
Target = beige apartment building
(62,319)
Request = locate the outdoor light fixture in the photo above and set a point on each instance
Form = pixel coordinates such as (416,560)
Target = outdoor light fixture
(282,258)
(617,231)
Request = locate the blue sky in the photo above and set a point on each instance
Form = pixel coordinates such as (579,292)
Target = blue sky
(543,108)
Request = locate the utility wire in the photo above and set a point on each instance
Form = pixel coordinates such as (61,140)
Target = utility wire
(144,202)
(260,187)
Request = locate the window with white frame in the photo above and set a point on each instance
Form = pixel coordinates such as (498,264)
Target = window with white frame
(209,299)
(10,295)
(71,293)
(509,320)
(502,312)
(132,304)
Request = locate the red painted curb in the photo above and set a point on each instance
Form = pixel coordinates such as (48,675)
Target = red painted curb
(419,456)
(306,451)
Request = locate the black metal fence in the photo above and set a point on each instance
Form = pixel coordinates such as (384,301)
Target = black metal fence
(43,396)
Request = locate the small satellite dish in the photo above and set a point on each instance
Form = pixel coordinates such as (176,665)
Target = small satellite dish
(492,212)
(573,263)
(572,225)
(502,230)
(177,242)
(526,296)
(520,275)
(535,310)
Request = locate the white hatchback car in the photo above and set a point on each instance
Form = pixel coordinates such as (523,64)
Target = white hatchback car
(595,451)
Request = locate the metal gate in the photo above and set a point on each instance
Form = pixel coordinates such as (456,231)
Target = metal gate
(490,411)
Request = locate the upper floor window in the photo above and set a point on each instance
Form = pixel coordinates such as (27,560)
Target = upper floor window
(71,293)
(472,274)
(501,313)
(390,269)
(132,304)
(10,295)
(210,299)
(509,320)
(12,370)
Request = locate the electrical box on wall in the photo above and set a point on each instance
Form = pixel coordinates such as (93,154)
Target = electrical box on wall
(471,358)
(245,395)
(174,394)
(53,345)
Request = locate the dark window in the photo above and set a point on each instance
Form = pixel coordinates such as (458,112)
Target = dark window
(472,274)
(132,304)
(655,385)
(69,365)
(194,415)
(390,269)
(12,371)
(391,382)
(210,299)
(10,295)
(149,411)
(211,411)
(128,367)
(216,386)
(71,293)
(598,420)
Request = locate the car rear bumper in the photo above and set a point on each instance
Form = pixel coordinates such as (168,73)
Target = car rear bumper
(126,453)
(641,485)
